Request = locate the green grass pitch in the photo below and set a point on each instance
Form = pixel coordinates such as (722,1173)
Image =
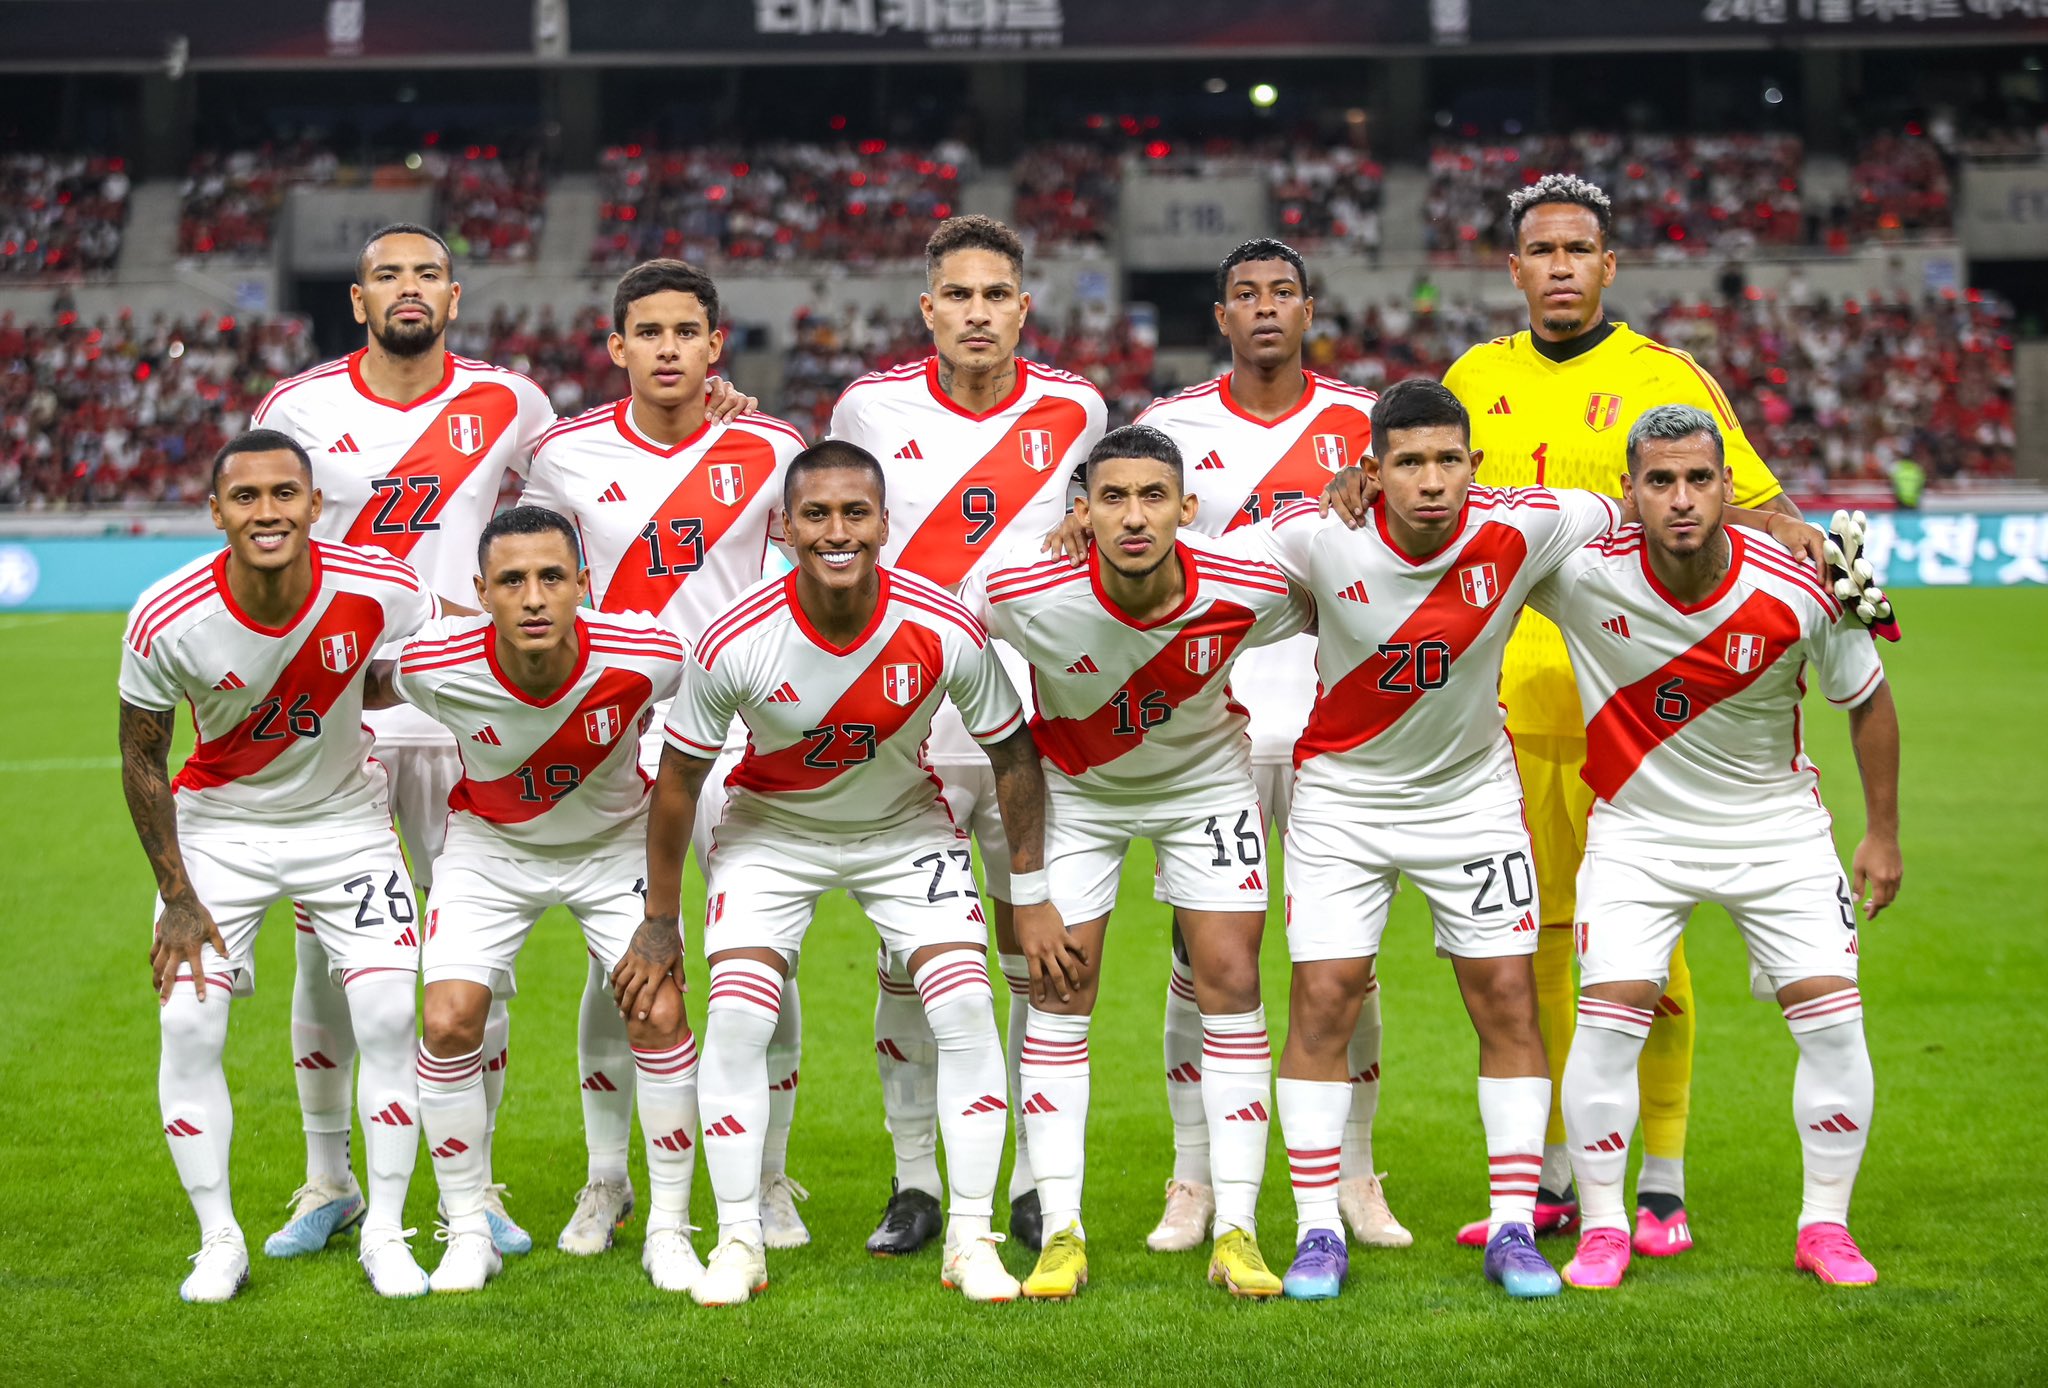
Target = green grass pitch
(94,1231)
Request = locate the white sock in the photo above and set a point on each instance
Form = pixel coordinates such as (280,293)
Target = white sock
(667,1094)
(323,1056)
(1556,1173)
(1661,1176)
(1363,1057)
(498,1053)
(1312,1114)
(907,1060)
(1017,975)
(1183,1050)
(604,1059)
(192,1094)
(1601,1103)
(960,1005)
(455,1116)
(1513,1111)
(381,1004)
(1053,1078)
(732,1088)
(785,1054)
(1833,1095)
(1237,1084)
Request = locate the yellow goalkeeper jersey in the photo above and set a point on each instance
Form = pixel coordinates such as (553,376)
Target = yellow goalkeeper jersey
(1539,422)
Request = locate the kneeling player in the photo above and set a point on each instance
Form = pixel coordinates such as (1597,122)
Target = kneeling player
(1690,644)
(546,700)
(269,640)
(836,670)
(1131,657)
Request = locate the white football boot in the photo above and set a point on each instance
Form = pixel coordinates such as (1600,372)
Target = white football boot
(601,1207)
(976,1271)
(781,1225)
(737,1271)
(1190,1209)
(472,1260)
(1363,1203)
(388,1262)
(219,1268)
(670,1262)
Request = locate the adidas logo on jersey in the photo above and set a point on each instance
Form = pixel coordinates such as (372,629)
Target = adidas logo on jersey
(1254,1112)
(1253,883)
(230,680)
(614,492)
(1499,406)
(1084,666)
(392,1116)
(677,1141)
(727,1126)
(1211,459)
(911,451)
(1526,923)
(1354,592)
(987,1103)
(345,444)
(407,940)
(1617,625)
(487,735)
(785,694)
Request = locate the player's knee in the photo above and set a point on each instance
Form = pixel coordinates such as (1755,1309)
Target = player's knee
(665,1024)
(191,1028)
(1501,993)
(452,1021)
(1323,1005)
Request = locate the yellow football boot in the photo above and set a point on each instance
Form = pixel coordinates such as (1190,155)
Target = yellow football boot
(1062,1268)
(1237,1266)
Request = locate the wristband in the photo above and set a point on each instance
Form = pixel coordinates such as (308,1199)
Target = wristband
(1029,889)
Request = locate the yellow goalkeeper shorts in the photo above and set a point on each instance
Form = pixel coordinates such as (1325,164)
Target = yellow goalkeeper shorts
(1557,800)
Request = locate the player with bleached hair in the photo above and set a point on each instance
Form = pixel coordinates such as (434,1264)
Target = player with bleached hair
(1691,643)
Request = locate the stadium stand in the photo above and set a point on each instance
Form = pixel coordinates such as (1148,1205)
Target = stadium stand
(60,213)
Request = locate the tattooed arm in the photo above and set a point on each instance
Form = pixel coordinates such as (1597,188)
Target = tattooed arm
(657,948)
(185,927)
(1057,963)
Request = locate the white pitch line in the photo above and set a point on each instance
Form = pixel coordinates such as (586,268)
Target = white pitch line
(61,764)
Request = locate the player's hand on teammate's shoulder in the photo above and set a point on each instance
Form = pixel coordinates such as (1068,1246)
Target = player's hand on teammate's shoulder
(1802,538)
(655,954)
(724,402)
(1069,537)
(1875,872)
(183,931)
(1350,494)
(1057,963)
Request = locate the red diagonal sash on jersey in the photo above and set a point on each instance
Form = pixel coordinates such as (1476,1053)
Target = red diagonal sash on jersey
(407,502)
(812,762)
(305,685)
(633,588)
(514,799)
(1355,710)
(1074,745)
(1301,471)
(939,550)
(1633,723)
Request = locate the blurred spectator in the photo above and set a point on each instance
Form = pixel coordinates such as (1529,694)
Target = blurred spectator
(229,201)
(121,412)
(60,214)
(1066,195)
(1900,185)
(489,209)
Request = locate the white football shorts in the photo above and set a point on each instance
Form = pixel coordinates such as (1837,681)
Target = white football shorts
(710,799)
(1206,861)
(421,776)
(969,790)
(915,882)
(483,907)
(1472,865)
(1795,914)
(349,886)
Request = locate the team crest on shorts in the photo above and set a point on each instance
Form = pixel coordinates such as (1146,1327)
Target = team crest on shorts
(1602,411)
(1479,583)
(1204,653)
(1330,451)
(601,725)
(466,434)
(728,483)
(901,684)
(1745,652)
(338,653)
(1036,445)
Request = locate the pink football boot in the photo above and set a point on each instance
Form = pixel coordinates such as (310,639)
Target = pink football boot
(1662,1237)
(1827,1251)
(1601,1260)
(1555,1214)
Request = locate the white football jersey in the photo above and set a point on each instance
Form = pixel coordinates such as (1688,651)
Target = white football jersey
(1693,745)
(550,777)
(279,711)
(418,481)
(961,485)
(1407,714)
(835,736)
(1242,469)
(677,532)
(1141,714)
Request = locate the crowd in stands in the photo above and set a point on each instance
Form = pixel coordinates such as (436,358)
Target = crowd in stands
(120,411)
(229,201)
(852,203)
(1900,183)
(60,214)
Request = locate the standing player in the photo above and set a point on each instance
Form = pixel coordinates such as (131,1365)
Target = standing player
(547,699)
(1690,644)
(1265,433)
(675,511)
(268,641)
(979,445)
(411,446)
(1130,668)
(836,669)
(1405,767)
